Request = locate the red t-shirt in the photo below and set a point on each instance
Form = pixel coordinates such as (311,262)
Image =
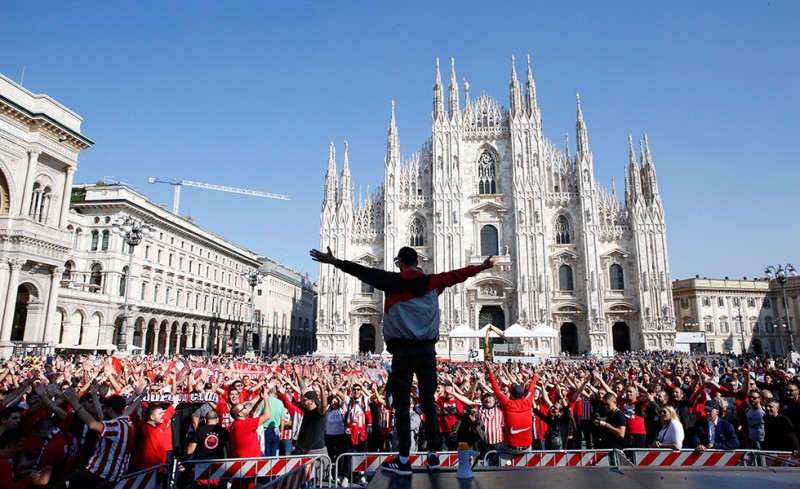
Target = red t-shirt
(244,439)
(224,412)
(151,445)
(61,453)
(634,421)
(7,477)
(449,412)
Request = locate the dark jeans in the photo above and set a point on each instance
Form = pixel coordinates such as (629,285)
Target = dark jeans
(272,442)
(408,359)
(80,479)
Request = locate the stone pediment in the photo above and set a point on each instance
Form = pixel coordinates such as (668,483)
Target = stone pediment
(622,308)
(367,258)
(616,255)
(489,209)
(569,308)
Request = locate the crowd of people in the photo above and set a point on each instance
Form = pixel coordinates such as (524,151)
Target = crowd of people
(82,421)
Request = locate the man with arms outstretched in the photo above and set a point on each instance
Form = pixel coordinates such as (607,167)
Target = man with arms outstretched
(411,331)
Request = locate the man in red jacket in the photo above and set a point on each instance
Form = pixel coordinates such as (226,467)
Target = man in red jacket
(411,330)
(517,410)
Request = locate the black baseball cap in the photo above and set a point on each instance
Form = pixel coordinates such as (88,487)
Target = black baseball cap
(407,255)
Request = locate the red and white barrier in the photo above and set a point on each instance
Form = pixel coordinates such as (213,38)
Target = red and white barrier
(560,459)
(144,480)
(372,462)
(235,469)
(294,479)
(666,458)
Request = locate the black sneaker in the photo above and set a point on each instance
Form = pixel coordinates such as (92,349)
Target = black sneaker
(433,462)
(396,466)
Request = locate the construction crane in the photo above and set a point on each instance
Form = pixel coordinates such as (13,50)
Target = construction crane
(176,202)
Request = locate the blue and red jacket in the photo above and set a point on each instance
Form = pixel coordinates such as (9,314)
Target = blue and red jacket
(411,306)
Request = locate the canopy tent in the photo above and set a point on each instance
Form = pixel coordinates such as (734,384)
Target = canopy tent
(545,331)
(517,331)
(464,331)
(483,330)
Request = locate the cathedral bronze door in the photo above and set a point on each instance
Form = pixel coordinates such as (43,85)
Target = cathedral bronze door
(366,338)
(622,337)
(569,338)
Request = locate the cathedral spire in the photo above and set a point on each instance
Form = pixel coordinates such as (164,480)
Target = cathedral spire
(392,141)
(330,180)
(581,138)
(530,90)
(466,94)
(438,95)
(452,102)
(649,173)
(566,147)
(516,95)
(633,190)
(345,190)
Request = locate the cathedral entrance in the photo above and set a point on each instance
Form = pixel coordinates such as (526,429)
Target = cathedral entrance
(622,337)
(569,338)
(366,338)
(495,316)
(758,348)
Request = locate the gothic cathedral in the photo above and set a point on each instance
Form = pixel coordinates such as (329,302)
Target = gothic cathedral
(578,269)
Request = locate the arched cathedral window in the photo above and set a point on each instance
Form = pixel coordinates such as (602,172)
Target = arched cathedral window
(562,230)
(416,233)
(486,174)
(489,241)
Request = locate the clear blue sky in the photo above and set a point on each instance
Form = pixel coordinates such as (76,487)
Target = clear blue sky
(249,94)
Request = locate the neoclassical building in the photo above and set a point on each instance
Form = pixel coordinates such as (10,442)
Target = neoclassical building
(186,287)
(40,140)
(63,272)
(738,316)
(286,308)
(572,255)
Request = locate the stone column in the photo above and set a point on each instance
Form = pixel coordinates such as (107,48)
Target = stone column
(4,274)
(52,302)
(11,300)
(167,342)
(65,198)
(33,158)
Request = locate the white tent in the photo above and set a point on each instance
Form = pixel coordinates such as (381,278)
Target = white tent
(544,331)
(464,331)
(483,330)
(517,331)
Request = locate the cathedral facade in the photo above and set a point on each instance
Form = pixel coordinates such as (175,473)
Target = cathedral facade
(572,255)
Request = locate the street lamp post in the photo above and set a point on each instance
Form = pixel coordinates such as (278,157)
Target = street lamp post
(253,278)
(780,274)
(741,328)
(132,231)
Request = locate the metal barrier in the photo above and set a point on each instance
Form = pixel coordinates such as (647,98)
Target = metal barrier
(295,479)
(208,472)
(146,479)
(659,457)
(368,463)
(554,458)
(778,459)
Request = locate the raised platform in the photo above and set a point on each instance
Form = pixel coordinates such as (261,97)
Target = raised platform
(604,477)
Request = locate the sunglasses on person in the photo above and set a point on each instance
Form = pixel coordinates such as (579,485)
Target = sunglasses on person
(754,397)
(663,412)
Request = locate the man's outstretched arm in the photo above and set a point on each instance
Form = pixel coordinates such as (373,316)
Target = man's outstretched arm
(380,279)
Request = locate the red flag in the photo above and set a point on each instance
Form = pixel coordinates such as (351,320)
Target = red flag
(116,363)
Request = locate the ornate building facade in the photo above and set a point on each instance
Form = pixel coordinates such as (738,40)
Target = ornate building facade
(488,182)
(40,140)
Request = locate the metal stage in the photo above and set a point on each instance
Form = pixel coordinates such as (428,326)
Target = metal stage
(602,477)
